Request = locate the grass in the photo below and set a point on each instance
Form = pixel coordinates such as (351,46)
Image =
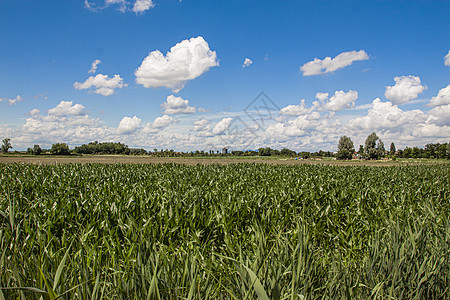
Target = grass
(238,231)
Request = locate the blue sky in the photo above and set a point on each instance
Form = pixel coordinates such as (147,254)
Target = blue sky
(186,75)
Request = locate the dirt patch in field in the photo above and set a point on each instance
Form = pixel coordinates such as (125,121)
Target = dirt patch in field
(109,159)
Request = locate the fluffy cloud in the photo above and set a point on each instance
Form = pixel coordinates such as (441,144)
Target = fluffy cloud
(34,112)
(65,108)
(328,64)
(385,115)
(221,126)
(185,61)
(339,101)
(128,125)
(177,105)
(141,6)
(429,130)
(202,125)
(203,128)
(440,115)
(12,101)
(442,98)
(163,121)
(322,96)
(295,110)
(313,125)
(101,84)
(447,59)
(94,65)
(247,62)
(158,124)
(406,88)
(67,122)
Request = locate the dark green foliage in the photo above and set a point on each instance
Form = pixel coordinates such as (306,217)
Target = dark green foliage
(374,147)
(392,149)
(103,148)
(242,231)
(60,149)
(6,145)
(345,148)
(37,150)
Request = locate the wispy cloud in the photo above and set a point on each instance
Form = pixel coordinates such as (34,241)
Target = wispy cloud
(328,64)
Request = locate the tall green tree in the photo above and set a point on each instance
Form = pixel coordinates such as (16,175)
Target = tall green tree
(374,147)
(6,145)
(37,150)
(392,149)
(361,150)
(381,151)
(346,148)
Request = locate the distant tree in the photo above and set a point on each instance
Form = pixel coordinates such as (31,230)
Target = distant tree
(60,149)
(407,152)
(6,145)
(345,148)
(103,148)
(305,154)
(416,152)
(392,149)
(265,151)
(37,150)
(442,150)
(372,150)
(361,150)
(448,150)
(287,152)
(381,151)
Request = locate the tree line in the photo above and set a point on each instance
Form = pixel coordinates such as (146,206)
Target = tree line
(373,148)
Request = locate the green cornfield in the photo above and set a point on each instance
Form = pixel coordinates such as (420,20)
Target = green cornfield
(237,231)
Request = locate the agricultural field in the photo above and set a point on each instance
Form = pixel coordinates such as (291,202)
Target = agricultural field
(224,231)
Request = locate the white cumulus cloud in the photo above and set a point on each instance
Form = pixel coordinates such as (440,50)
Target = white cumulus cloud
(185,61)
(202,125)
(447,59)
(406,88)
(385,115)
(163,121)
(442,98)
(101,84)
(221,126)
(322,96)
(141,6)
(295,110)
(128,125)
(328,64)
(94,65)
(34,112)
(440,115)
(65,108)
(339,101)
(247,62)
(12,101)
(177,105)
